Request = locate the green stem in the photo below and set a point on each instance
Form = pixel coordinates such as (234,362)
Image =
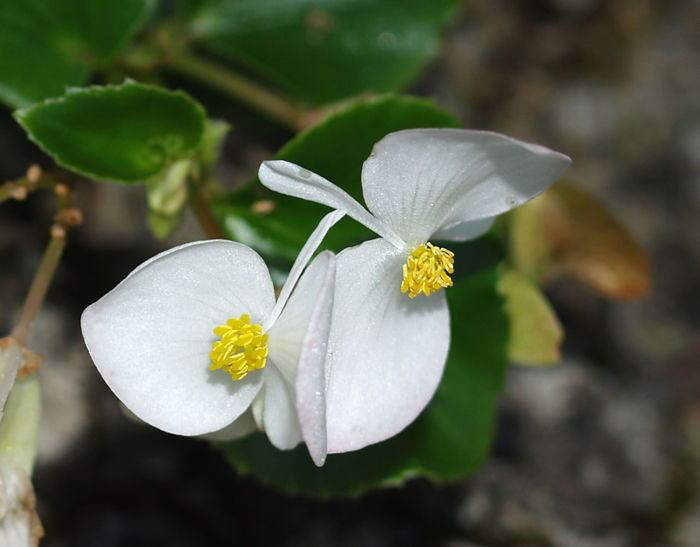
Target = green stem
(42,279)
(238,87)
(9,191)
(35,178)
(201,210)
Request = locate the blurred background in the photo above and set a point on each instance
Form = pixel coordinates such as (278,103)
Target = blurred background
(601,450)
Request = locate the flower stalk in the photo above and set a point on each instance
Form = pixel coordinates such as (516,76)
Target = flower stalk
(66,217)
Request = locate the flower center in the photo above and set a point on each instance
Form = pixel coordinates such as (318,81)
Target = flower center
(427,269)
(242,348)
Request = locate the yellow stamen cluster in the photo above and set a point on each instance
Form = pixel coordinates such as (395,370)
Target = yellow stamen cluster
(427,269)
(242,348)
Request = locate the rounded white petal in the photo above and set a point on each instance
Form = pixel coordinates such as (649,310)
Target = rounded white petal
(299,347)
(151,336)
(280,414)
(421,180)
(290,179)
(388,350)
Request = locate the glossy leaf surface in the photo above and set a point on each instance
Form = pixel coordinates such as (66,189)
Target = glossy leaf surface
(324,50)
(47,45)
(126,133)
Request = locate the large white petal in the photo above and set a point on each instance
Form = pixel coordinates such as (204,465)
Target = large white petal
(420,180)
(299,346)
(388,350)
(151,336)
(292,180)
(280,414)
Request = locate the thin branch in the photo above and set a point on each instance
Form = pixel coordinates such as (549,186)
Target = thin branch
(238,87)
(66,217)
(200,208)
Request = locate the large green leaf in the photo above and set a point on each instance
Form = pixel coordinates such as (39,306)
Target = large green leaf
(324,50)
(450,439)
(46,45)
(335,149)
(124,133)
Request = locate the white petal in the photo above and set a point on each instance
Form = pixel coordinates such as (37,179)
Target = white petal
(280,414)
(464,231)
(311,385)
(240,427)
(421,180)
(300,263)
(292,180)
(299,347)
(151,336)
(388,350)
(289,331)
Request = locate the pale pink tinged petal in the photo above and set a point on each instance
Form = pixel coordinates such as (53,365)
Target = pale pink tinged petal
(288,333)
(464,231)
(299,347)
(279,413)
(420,180)
(292,180)
(311,375)
(151,336)
(311,399)
(240,427)
(300,263)
(388,350)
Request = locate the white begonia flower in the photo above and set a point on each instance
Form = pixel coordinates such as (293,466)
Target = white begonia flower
(419,185)
(160,338)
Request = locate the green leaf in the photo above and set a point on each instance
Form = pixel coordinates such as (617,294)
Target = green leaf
(126,133)
(335,149)
(449,440)
(46,45)
(325,50)
(535,332)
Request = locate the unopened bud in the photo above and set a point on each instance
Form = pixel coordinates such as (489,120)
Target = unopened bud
(18,192)
(69,217)
(61,190)
(33,173)
(58,232)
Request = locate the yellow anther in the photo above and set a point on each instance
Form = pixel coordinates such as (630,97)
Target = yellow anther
(427,269)
(242,348)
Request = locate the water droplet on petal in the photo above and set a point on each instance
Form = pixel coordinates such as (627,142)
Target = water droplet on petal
(511,201)
(304,173)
